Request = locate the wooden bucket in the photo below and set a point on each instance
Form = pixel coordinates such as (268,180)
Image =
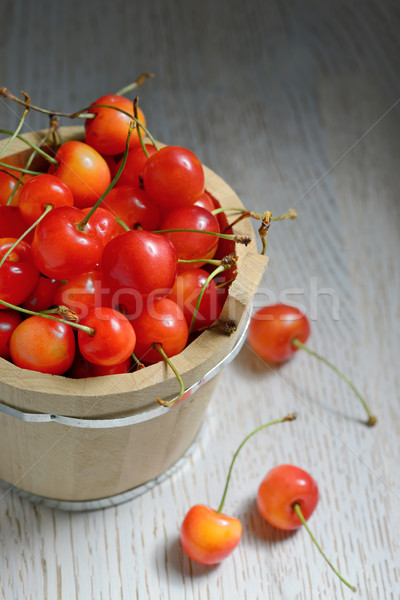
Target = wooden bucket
(89,443)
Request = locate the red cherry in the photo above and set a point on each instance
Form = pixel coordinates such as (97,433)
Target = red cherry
(82,293)
(173,176)
(283,487)
(42,296)
(108,131)
(276,332)
(60,249)
(190,245)
(142,262)
(113,340)
(8,181)
(41,191)
(18,274)
(43,345)
(104,222)
(160,322)
(133,206)
(205,201)
(208,536)
(274,328)
(84,171)
(186,290)
(101,370)
(133,171)
(12,224)
(9,320)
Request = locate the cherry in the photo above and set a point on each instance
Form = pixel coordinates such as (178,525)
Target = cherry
(113,340)
(108,130)
(273,329)
(133,206)
(208,536)
(277,331)
(12,224)
(140,263)
(60,249)
(18,273)
(160,322)
(84,171)
(186,290)
(286,498)
(43,345)
(9,320)
(43,296)
(191,245)
(205,201)
(283,487)
(8,183)
(82,293)
(135,162)
(173,176)
(40,192)
(103,220)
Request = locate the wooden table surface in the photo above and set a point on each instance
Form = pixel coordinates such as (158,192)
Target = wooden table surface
(294,104)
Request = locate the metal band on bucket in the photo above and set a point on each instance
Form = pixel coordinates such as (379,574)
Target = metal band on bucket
(153,413)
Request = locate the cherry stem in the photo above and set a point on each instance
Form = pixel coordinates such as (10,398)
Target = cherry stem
(169,403)
(135,84)
(82,224)
(135,112)
(34,147)
(240,239)
(7,94)
(297,509)
(47,209)
(122,223)
(226,263)
(139,364)
(19,169)
(371,418)
(84,328)
(289,417)
(20,181)
(18,129)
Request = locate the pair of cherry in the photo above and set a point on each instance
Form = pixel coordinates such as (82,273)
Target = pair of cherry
(286,498)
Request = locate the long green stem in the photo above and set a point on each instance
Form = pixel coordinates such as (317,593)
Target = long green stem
(371,418)
(289,417)
(170,403)
(6,166)
(81,226)
(16,132)
(240,239)
(88,330)
(202,292)
(297,509)
(15,244)
(35,147)
(52,129)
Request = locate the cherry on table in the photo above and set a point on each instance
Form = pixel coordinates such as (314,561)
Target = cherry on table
(278,331)
(286,498)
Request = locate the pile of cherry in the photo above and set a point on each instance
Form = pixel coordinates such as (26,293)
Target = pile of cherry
(102,252)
